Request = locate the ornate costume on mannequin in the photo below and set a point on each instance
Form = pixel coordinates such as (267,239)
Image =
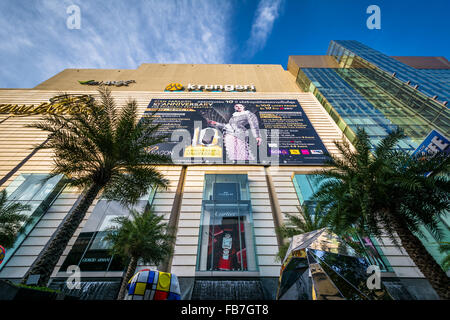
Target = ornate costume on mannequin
(225,259)
(236,135)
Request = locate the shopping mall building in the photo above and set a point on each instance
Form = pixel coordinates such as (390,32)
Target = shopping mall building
(219,188)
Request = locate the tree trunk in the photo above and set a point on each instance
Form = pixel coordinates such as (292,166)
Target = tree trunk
(423,259)
(49,258)
(130,272)
(166,264)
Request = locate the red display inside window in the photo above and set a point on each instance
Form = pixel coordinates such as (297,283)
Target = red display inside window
(226,245)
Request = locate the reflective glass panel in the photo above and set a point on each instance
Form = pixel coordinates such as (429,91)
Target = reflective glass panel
(306,186)
(39,193)
(91,251)
(226,242)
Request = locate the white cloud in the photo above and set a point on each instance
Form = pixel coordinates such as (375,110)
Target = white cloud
(266,14)
(36,43)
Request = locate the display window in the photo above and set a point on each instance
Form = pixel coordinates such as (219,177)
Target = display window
(226,241)
(91,251)
(38,191)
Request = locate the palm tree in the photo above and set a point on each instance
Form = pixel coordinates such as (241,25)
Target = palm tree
(445,248)
(100,150)
(144,237)
(63,100)
(10,220)
(386,191)
(305,221)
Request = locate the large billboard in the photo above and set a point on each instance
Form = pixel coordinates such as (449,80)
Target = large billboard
(236,131)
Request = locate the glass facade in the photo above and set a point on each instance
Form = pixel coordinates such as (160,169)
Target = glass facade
(429,83)
(362,97)
(39,193)
(90,251)
(379,93)
(351,106)
(432,243)
(306,186)
(226,241)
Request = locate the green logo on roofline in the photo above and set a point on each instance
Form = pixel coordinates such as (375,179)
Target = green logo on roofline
(118,83)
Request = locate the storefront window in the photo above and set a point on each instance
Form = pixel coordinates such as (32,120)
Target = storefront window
(91,251)
(226,240)
(306,186)
(37,192)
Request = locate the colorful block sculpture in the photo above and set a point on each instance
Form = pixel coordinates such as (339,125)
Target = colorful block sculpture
(153,285)
(2,254)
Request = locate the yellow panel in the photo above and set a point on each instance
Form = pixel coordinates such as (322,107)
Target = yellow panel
(163,281)
(140,288)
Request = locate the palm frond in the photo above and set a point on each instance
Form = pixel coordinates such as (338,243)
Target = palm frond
(368,188)
(11,219)
(99,145)
(141,235)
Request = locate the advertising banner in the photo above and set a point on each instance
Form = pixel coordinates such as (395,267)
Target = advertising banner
(236,131)
(435,142)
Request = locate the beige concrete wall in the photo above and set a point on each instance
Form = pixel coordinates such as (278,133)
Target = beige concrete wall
(305,61)
(155,77)
(16,142)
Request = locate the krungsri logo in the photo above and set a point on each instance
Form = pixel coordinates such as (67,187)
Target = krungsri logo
(210,87)
(174,87)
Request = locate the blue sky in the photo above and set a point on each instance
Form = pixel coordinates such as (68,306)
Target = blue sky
(36,42)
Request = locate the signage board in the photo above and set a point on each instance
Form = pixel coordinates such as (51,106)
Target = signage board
(177,87)
(117,83)
(435,142)
(226,191)
(236,131)
(61,104)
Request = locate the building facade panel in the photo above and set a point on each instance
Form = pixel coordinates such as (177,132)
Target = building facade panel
(189,222)
(272,191)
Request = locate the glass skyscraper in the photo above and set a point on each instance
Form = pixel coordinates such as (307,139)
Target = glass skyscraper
(430,83)
(362,87)
(371,89)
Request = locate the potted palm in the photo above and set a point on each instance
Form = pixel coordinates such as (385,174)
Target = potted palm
(11,219)
(141,236)
(308,219)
